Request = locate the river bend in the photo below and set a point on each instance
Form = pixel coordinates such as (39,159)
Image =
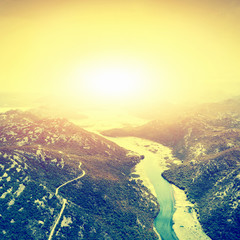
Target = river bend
(174,221)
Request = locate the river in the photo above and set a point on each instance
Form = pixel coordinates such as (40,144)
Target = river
(171,224)
(177,218)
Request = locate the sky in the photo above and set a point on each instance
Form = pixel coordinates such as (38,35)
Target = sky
(156,51)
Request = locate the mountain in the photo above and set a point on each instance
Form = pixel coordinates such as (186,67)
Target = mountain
(207,140)
(59,181)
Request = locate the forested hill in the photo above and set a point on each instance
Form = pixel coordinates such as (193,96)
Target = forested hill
(38,155)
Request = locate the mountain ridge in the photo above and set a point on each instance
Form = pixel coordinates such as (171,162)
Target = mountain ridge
(39,155)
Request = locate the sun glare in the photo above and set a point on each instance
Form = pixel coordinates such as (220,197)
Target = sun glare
(114,81)
(106,81)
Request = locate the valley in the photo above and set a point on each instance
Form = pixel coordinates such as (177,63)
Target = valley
(206,140)
(173,221)
(43,161)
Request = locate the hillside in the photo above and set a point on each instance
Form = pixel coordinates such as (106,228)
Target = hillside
(208,143)
(38,155)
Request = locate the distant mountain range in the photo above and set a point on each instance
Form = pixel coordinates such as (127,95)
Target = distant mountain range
(39,155)
(207,140)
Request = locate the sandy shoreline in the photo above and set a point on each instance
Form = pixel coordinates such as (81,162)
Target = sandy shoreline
(139,169)
(146,182)
(186,224)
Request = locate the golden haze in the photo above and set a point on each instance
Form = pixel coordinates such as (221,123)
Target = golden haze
(180,50)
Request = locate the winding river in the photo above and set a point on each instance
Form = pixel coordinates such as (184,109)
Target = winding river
(177,218)
(171,223)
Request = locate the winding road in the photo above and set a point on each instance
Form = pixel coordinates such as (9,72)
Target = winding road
(64,202)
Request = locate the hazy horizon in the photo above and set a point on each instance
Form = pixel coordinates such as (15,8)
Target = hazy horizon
(133,53)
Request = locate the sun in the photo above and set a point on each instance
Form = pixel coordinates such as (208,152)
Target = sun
(113,81)
(106,81)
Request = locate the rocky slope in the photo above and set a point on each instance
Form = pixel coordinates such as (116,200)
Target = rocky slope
(38,155)
(208,143)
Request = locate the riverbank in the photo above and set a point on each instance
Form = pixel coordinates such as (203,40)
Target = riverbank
(185,222)
(184,219)
(139,170)
(149,171)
